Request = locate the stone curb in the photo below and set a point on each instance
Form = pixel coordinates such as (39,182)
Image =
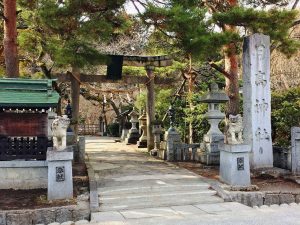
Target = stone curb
(94,200)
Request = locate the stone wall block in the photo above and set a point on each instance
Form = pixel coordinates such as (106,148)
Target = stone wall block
(286,198)
(44,216)
(63,215)
(271,199)
(297,198)
(19,218)
(80,214)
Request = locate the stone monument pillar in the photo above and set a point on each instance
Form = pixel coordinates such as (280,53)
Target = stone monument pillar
(234,155)
(257,99)
(59,158)
(142,143)
(209,151)
(133,134)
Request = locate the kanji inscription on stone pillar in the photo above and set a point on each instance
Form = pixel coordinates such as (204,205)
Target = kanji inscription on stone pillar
(257,99)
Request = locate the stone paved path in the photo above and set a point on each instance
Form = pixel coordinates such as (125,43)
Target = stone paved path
(132,186)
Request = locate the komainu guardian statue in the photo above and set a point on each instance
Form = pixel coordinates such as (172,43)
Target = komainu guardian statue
(235,129)
(59,128)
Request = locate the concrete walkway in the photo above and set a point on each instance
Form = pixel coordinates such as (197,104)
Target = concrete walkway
(133,186)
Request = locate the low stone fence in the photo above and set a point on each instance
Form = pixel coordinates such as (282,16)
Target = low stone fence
(44,216)
(257,198)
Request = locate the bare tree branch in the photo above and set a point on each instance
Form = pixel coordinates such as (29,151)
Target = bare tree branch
(221,70)
(295,4)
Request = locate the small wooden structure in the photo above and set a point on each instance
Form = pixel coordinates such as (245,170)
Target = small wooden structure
(24,107)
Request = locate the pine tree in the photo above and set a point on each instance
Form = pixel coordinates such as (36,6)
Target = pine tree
(190,25)
(68,31)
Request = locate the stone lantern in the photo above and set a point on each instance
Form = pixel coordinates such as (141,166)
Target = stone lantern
(210,153)
(156,130)
(133,134)
(142,143)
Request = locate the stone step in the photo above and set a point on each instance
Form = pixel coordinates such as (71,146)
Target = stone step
(106,184)
(148,196)
(159,201)
(113,191)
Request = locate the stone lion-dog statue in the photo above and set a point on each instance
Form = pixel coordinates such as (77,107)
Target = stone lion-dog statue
(235,129)
(59,128)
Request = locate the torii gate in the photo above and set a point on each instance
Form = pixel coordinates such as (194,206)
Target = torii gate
(148,62)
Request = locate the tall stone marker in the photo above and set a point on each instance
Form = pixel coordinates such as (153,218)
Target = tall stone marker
(257,99)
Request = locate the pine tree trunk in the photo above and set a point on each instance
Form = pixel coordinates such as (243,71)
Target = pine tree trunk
(10,39)
(75,94)
(150,107)
(231,67)
(232,84)
(191,84)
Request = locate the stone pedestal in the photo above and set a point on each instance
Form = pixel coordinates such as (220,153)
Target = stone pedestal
(132,136)
(257,100)
(234,164)
(60,179)
(173,142)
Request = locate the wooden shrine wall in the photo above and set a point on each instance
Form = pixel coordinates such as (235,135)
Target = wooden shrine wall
(23,124)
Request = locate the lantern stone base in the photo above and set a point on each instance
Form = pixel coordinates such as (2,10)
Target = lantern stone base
(173,141)
(209,149)
(132,136)
(234,164)
(60,180)
(209,158)
(142,143)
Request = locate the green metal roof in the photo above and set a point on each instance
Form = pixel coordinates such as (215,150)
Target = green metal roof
(27,93)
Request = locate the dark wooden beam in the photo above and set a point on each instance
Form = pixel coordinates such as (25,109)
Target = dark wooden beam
(125,79)
(142,61)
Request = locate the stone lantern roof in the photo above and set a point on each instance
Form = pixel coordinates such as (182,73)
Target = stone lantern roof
(215,95)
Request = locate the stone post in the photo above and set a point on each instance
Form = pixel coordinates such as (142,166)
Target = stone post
(150,106)
(101,126)
(51,117)
(81,145)
(257,99)
(295,141)
(133,134)
(142,143)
